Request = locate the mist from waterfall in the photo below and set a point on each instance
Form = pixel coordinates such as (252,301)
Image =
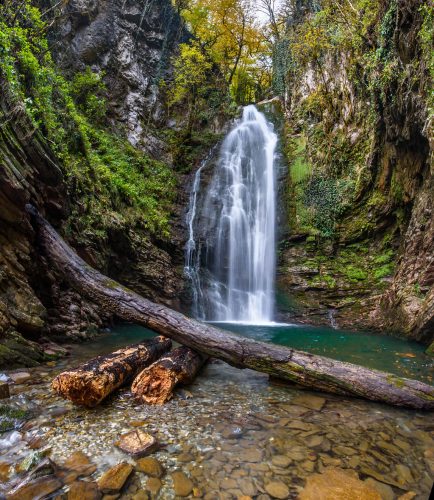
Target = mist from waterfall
(230,255)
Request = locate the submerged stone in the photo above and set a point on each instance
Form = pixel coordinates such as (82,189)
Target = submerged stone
(137,443)
(277,489)
(337,484)
(114,479)
(153,484)
(281,461)
(150,466)
(84,490)
(40,487)
(182,485)
(384,490)
(310,401)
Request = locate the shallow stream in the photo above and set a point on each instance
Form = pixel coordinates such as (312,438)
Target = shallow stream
(233,432)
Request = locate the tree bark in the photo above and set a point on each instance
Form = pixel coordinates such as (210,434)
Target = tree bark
(308,370)
(92,382)
(155,384)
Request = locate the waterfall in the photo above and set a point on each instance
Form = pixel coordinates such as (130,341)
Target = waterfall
(230,254)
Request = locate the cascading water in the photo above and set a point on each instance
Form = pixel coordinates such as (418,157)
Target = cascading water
(230,255)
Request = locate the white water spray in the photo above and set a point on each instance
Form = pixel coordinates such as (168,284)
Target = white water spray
(234,278)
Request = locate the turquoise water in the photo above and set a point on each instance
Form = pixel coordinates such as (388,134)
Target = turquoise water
(402,357)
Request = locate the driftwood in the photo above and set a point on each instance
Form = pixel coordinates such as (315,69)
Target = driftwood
(155,384)
(92,382)
(308,370)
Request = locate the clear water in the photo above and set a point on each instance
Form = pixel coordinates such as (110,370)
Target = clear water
(402,357)
(235,220)
(226,430)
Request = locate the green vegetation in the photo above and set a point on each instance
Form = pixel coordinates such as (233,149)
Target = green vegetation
(11,417)
(107,177)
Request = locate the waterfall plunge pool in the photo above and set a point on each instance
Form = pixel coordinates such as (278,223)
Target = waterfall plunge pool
(400,356)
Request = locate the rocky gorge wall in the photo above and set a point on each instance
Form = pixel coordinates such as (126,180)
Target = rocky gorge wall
(128,43)
(359,247)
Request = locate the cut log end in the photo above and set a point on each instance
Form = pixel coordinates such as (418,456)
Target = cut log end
(155,384)
(156,387)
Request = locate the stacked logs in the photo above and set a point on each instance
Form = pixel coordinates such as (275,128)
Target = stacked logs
(154,370)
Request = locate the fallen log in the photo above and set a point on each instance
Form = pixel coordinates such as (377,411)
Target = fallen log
(308,370)
(155,384)
(92,382)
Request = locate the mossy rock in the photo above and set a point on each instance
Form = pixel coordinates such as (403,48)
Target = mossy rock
(12,418)
(430,350)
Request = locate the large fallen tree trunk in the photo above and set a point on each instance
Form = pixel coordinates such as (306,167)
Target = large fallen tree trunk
(155,384)
(308,370)
(92,382)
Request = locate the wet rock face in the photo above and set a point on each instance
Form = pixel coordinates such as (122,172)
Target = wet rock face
(400,168)
(131,42)
(28,174)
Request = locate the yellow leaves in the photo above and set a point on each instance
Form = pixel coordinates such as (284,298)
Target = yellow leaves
(191,67)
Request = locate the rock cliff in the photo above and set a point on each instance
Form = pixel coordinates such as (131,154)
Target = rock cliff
(359,248)
(130,44)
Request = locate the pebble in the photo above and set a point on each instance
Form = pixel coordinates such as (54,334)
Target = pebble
(182,485)
(251,455)
(137,443)
(150,466)
(153,484)
(384,490)
(404,474)
(281,461)
(310,401)
(83,490)
(114,479)
(337,484)
(277,489)
(38,488)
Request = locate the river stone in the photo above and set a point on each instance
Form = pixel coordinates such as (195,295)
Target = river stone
(281,461)
(407,496)
(140,495)
(228,483)
(153,484)
(20,377)
(337,484)
(150,466)
(404,474)
(302,426)
(385,490)
(137,443)
(310,401)
(114,479)
(38,488)
(182,485)
(247,486)
(383,478)
(277,489)
(185,457)
(80,463)
(250,455)
(314,441)
(4,472)
(83,490)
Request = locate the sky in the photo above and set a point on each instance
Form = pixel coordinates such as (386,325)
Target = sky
(262,17)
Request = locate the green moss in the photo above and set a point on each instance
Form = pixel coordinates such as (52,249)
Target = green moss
(108,179)
(397,382)
(355,273)
(11,417)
